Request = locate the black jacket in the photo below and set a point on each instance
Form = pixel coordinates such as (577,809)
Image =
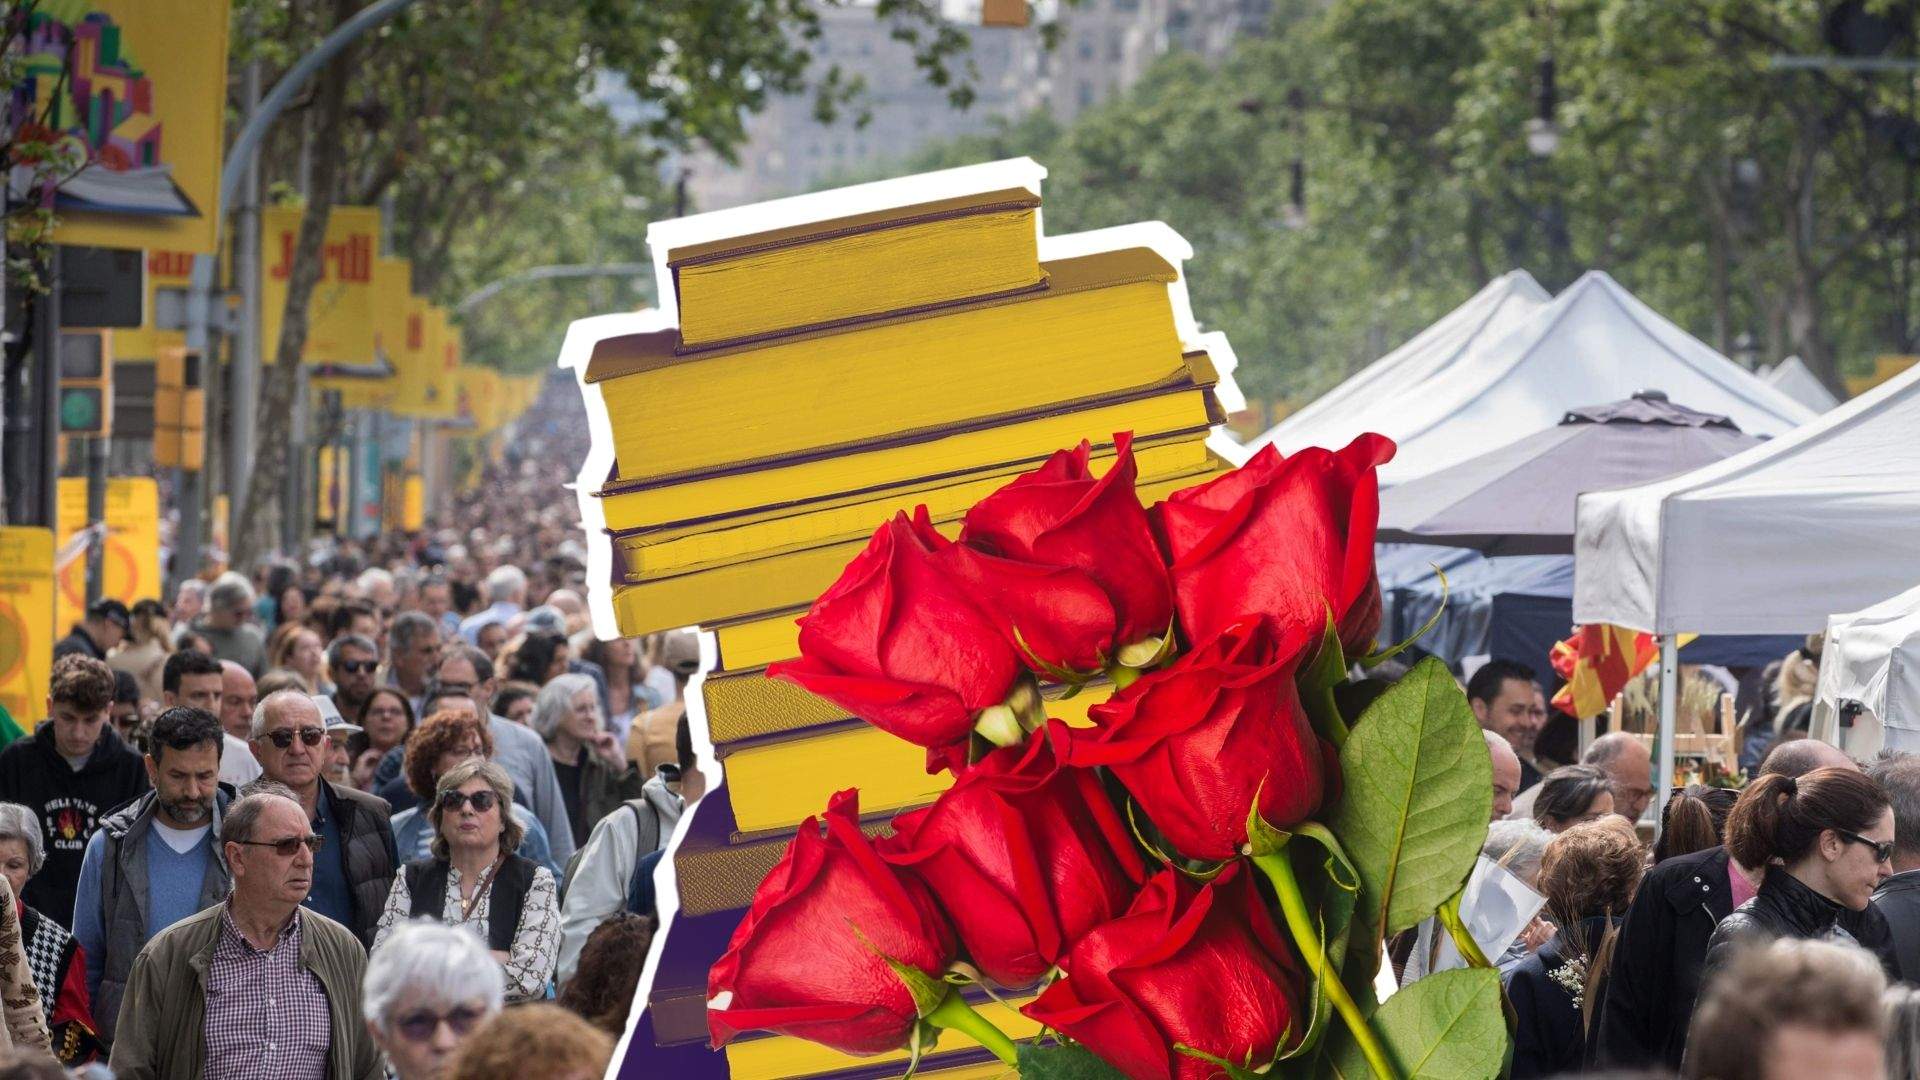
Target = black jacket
(78,643)
(366,837)
(1786,908)
(1898,899)
(1655,975)
(1548,1038)
(70,804)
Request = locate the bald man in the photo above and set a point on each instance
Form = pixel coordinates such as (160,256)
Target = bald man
(1798,757)
(1628,763)
(1506,773)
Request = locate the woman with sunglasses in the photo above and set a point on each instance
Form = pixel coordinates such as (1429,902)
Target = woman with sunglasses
(1826,840)
(427,988)
(475,881)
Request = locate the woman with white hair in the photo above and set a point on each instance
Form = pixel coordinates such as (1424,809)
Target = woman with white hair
(25,1019)
(592,767)
(55,959)
(428,987)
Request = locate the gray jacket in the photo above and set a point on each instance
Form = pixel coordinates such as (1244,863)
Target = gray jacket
(598,888)
(123,897)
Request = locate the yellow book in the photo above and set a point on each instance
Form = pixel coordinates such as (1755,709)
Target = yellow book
(761,586)
(826,272)
(758,642)
(750,705)
(774,1057)
(993,443)
(1103,325)
(648,556)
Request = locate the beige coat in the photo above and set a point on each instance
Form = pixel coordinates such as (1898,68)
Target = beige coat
(26,1024)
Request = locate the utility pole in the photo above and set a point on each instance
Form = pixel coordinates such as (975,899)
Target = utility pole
(46,395)
(244,404)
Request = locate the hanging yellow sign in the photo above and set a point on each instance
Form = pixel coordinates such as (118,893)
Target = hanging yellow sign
(131,560)
(340,317)
(26,621)
(141,89)
(391,280)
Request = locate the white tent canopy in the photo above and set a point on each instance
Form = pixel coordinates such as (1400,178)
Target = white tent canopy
(1793,378)
(1347,410)
(1768,541)
(1872,657)
(1593,344)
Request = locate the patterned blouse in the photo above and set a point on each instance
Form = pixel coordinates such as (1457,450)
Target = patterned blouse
(25,1020)
(536,942)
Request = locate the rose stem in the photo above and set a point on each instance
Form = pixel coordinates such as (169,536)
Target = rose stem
(954,1012)
(1469,949)
(1279,871)
(1333,726)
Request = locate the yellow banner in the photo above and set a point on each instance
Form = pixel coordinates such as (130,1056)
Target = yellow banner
(392,278)
(26,622)
(340,318)
(142,86)
(132,559)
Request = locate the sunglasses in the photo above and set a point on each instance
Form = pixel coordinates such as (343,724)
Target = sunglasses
(358,667)
(420,1026)
(286,848)
(285,736)
(1882,849)
(482,801)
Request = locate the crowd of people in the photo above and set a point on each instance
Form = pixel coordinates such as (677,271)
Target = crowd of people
(389,811)
(1771,931)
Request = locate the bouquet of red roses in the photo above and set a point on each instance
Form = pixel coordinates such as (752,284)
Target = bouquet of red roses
(1199,882)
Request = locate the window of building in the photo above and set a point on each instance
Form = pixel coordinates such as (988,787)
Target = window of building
(1086,48)
(1086,93)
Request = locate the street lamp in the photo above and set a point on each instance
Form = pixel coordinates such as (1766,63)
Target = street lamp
(1543,135)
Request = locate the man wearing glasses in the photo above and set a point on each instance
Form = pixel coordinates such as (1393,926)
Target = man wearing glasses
(256,987)
(352,874)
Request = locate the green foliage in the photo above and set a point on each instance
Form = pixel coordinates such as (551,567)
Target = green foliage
(1419,789)
(1447,1026)
(1063,1061)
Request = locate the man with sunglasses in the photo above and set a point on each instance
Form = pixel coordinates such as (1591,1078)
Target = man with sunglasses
(1898,897)
(351,663)
(352,875)
(257,987)
(154,861)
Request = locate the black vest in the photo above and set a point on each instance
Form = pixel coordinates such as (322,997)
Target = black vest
(427,882)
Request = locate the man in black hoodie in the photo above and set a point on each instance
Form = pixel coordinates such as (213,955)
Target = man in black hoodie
(71,771)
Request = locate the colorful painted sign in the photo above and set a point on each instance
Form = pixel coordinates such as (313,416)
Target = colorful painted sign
(137,89)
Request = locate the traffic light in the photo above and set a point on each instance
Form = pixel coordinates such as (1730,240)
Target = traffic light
(179,410)
(86,383)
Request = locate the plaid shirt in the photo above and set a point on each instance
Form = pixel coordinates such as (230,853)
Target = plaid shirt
(266,1015)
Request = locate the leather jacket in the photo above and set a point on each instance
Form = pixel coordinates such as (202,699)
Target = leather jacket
(1786,908)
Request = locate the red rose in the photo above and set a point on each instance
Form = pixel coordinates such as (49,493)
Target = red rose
(1195,741)
(1196,966)
(1283,538)
(1024,855)
(1060,516)
(897,643)
(810,957)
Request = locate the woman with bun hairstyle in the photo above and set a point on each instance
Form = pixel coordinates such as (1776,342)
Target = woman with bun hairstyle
(1826,840)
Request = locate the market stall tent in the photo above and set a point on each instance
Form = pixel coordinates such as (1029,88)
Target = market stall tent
(1869,692)
(1793,378)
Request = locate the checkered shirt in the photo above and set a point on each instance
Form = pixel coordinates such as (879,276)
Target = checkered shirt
(266,1015)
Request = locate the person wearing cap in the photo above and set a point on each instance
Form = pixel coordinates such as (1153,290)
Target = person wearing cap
(339,766)
(354,868)
(105,625)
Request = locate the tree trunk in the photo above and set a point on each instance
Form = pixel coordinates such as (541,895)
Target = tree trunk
(1805,314)
(259,516)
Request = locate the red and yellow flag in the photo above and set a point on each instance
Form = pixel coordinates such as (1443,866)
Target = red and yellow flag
(1597,662)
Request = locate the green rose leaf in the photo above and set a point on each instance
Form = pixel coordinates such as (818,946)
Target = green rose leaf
(1447,1026)
(1063,1061)
(1418,791)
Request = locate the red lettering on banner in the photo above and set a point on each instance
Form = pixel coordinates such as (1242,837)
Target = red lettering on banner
(415,335)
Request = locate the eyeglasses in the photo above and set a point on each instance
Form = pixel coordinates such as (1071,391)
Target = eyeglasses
(420,1026)
(358,667)
(482,801)
(284,737)
(1882,849)
(287,847)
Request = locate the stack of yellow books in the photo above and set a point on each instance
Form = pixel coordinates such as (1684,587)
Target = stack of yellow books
(832,360)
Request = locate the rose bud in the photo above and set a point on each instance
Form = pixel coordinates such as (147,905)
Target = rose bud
(1190,966)
(1197,740)
(1061,516)
(1025,855)
(1287,539)
(896,642)
(811,957)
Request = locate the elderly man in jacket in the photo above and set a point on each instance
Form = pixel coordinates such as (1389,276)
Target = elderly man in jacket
(1898,897)
(354,869)
(154,861)
(258,987)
